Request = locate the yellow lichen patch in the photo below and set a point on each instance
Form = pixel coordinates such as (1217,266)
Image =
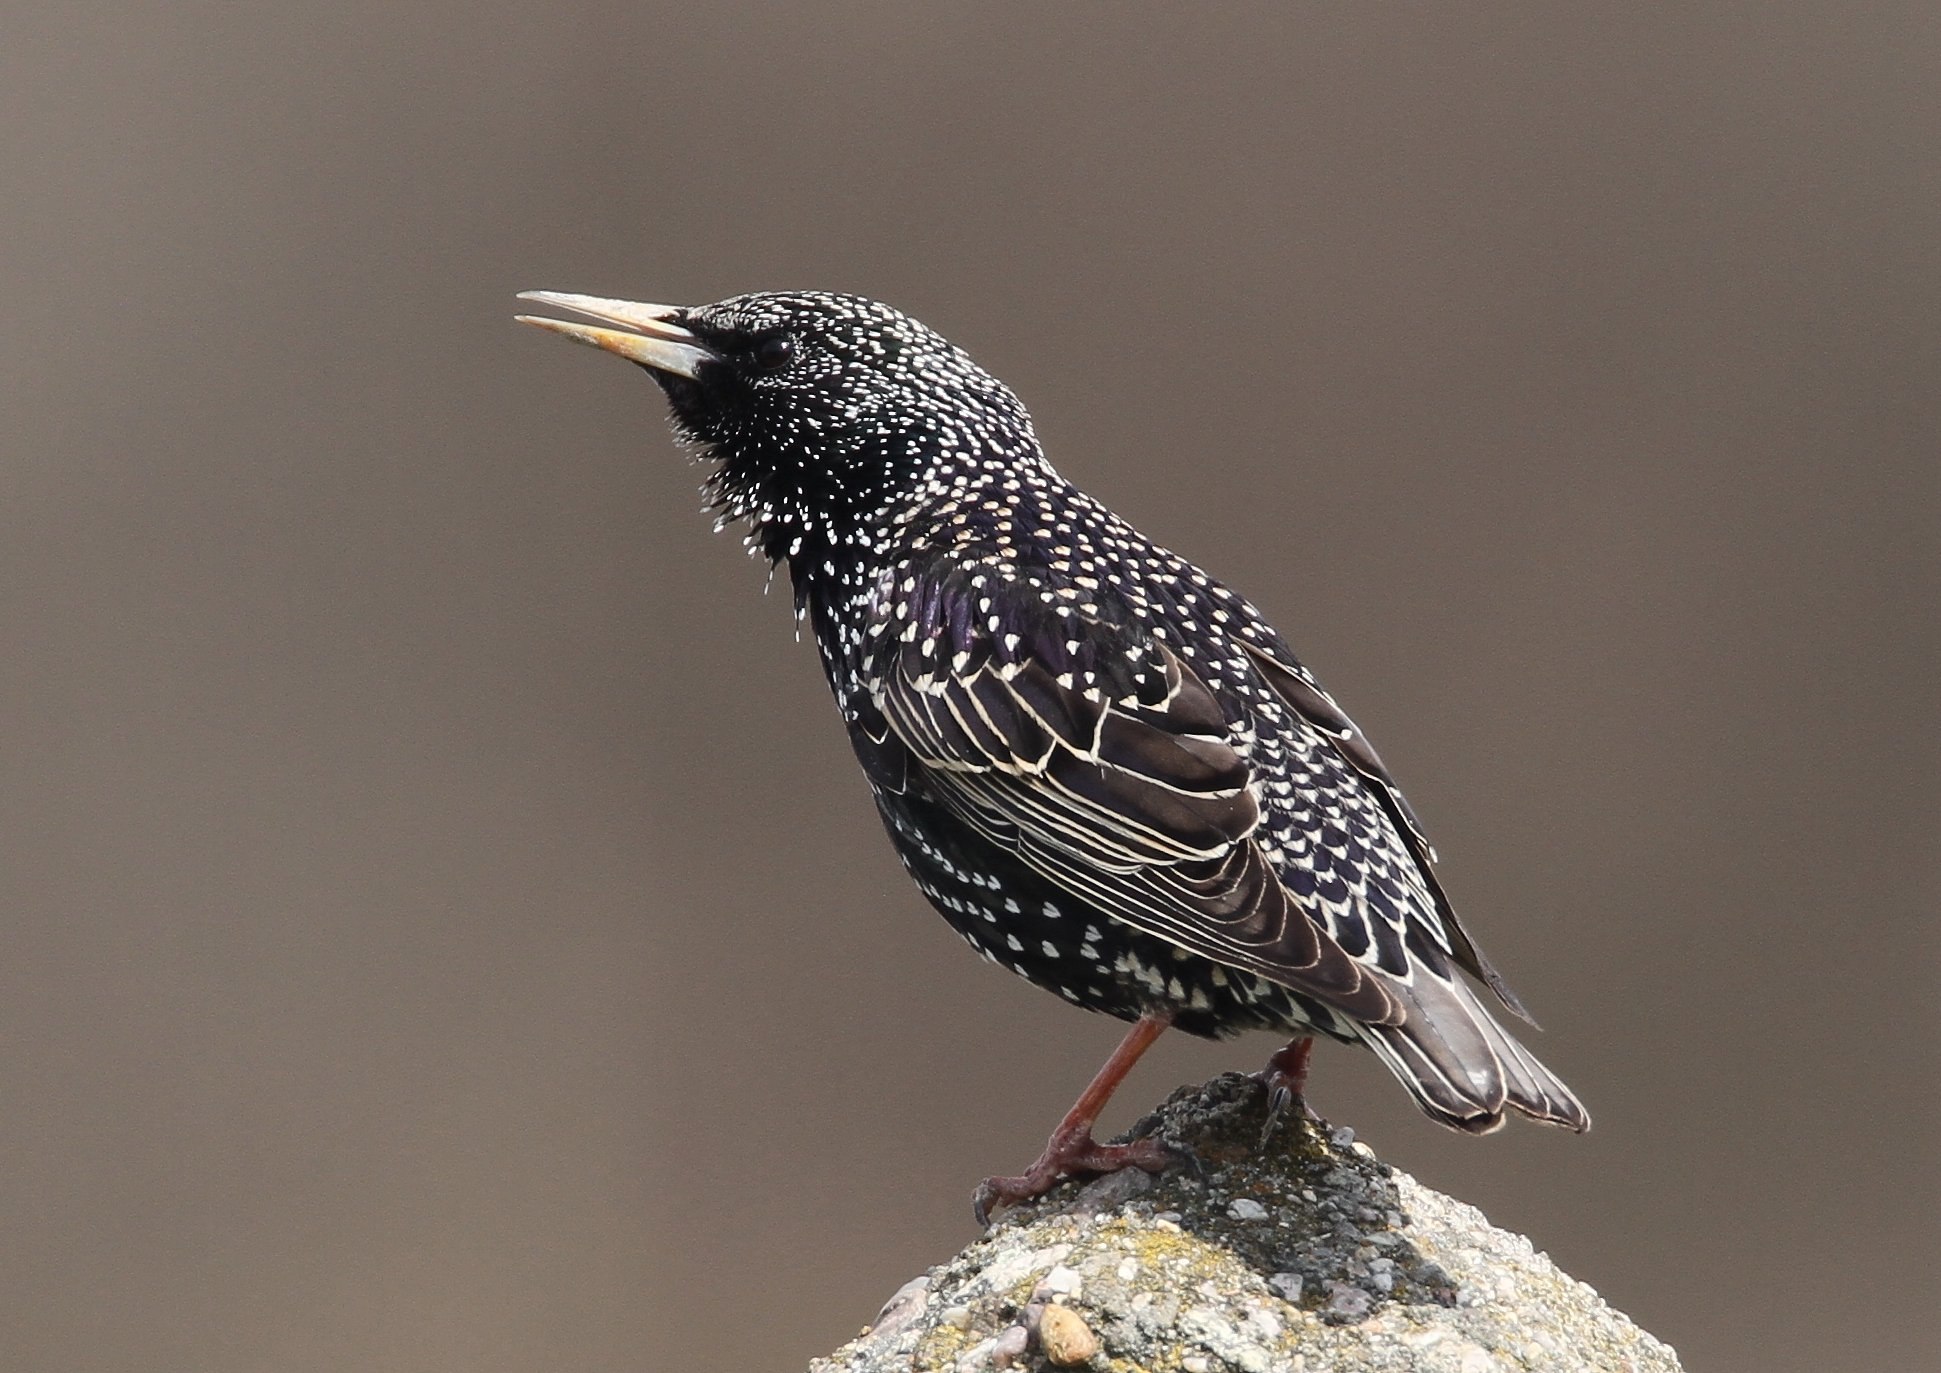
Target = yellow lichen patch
(1169,1250)
(940,1347)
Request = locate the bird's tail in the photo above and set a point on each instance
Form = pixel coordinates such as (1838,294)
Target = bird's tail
(1461,1066)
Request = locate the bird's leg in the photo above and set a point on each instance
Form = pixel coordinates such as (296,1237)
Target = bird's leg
(1285,1078)
(1071,1149)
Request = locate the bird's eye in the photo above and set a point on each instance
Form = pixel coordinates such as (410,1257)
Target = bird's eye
(774,352)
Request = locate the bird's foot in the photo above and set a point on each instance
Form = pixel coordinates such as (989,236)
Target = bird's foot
(1070,1155)
(1285,1078)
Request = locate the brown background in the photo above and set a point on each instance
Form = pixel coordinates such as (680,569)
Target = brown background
(444,928)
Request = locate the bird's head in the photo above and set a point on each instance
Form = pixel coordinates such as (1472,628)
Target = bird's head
(809,399)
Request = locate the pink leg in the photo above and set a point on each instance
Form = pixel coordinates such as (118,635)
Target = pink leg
(1071,1150)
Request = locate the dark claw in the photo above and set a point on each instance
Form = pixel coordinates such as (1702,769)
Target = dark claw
(981,1201)
(1184,1156)
(1279,1097)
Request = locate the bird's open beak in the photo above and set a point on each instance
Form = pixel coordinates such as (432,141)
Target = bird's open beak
(653,342)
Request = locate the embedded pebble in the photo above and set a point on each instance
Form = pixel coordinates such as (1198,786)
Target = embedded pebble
(1346,1303)
(1059,1282)
(904,1306)
(1246,1208)
(1111,1191)
(1015,1265)
(976,1357)
(1065,1338)
(1009,1346)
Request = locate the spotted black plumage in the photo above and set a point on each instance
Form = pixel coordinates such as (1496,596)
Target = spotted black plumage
(1104,768)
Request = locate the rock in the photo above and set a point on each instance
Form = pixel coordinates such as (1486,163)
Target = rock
(1307,1253)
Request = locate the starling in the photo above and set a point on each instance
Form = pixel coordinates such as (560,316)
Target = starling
(1104,769)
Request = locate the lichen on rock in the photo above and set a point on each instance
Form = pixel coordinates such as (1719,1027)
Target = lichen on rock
(1301,1253)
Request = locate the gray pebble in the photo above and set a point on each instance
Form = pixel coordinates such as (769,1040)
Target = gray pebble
(1346,1304)
(1111,1191)
(1010,1346)
(904,1306)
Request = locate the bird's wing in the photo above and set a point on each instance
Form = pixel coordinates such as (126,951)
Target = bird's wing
(1080,741)
(1296,686)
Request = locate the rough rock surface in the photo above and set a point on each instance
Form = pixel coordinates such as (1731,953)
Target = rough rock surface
(1305,1254)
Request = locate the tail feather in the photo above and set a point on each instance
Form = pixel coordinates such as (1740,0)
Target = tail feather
(1462,1067)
